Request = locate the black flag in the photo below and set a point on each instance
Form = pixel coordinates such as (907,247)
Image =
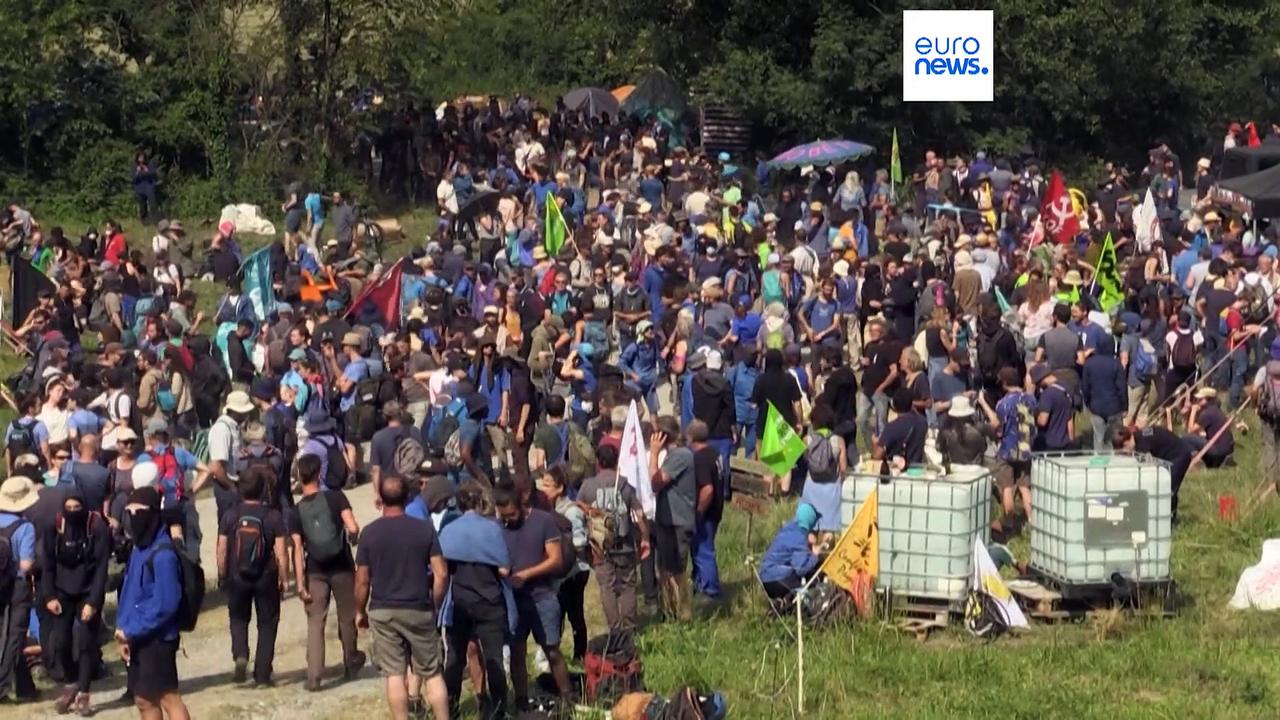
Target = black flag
(27,283)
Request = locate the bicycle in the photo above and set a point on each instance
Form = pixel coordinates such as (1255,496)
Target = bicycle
(370,232)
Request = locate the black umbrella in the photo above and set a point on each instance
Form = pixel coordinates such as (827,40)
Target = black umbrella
(592,100)
(482,202)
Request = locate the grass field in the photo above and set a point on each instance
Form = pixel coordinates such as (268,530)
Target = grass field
(1209,662)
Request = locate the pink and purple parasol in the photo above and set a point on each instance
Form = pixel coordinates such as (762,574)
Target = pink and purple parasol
(821,152)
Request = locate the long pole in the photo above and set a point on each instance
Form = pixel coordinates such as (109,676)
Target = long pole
(1188,389)
(800,652)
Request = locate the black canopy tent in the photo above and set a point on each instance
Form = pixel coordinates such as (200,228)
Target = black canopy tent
(1239,161)
(1256,194)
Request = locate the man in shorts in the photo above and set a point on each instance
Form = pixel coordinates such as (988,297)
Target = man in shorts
(401,577)
(293,210)
(671,470)
(1014,420)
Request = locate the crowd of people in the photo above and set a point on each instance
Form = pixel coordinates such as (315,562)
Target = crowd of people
(933,322)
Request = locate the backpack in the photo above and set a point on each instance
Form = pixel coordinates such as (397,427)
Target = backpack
(336,471)
(444,424)
(409,455)
(170,479)
(135,414)
(193,587)
(984,617)
(453,449)
(821,457)
(568,553)
(323,535)
(22,438)
(1269,395)
(73,551)
(1256,309)
(989,360)
(8,566)
(775,339)
(771,289)
(580,457)
(252,552)
(596,333)
(1144,360)
(1183,353)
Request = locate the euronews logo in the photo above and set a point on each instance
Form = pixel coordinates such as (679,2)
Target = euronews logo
(947,55)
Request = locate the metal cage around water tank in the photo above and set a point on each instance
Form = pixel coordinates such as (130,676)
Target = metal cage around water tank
(1094,515)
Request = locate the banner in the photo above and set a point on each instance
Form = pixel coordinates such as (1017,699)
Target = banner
(987,579)
(28,281)
(780,447)
(554,227)
(256,272)
(381,298)
(633,462)
(1057,213)
(1108,277)
(1146,223)
(858,550)
(895,162)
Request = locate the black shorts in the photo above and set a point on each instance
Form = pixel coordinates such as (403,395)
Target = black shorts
(293,220)
(672,549)
(153,669)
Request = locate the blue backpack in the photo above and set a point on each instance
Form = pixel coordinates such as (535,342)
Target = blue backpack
(1144,360)
(596,333)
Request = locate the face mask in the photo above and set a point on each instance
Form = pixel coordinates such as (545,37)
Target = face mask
(75,518)
(141,526)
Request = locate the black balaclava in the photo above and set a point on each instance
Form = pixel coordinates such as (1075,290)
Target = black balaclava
(142,525)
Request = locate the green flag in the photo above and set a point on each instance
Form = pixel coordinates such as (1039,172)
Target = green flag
(895,162)
(42,260)
(780,447)
(1108,276)
(554,227)
(256,279)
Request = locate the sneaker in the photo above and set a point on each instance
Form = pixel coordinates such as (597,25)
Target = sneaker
(65,700)
(83,707)
(417,709)
(241,671)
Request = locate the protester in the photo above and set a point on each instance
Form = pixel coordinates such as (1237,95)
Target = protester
(401,578)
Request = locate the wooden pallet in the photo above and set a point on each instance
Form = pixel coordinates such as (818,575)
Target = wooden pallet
(1049,605)
(918,616)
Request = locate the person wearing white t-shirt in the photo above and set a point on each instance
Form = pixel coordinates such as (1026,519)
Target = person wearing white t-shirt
(446,196)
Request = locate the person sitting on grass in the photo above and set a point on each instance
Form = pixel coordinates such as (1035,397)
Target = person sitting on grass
(793,556)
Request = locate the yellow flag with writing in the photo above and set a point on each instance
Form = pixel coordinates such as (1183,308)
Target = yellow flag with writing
(858,550)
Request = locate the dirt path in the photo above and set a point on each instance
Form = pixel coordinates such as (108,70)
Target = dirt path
(205,664)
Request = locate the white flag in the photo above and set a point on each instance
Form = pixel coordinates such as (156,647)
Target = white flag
(1146,223)
(633,462)
(987,578)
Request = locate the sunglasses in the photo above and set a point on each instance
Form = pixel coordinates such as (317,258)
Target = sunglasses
(61,457)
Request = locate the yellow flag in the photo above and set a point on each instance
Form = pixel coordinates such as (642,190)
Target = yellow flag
(858,550)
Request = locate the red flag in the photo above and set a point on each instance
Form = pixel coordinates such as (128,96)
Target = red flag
(384,295)
(1060,221)
(1253,134)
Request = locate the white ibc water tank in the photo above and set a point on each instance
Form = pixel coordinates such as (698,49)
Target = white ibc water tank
(927,523)
(1095,515)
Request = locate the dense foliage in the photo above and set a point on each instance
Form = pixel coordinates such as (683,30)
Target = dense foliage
(232,97)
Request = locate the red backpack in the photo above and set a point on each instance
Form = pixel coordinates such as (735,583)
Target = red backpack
(170,479)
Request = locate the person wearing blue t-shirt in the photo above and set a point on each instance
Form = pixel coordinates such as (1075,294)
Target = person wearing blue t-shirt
(314,205)
(348,378)
(17,495)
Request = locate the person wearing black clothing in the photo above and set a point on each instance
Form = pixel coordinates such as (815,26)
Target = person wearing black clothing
(73,583)
(713,404)
(475,550)
(242,369)
(709,508)
(251,570)
(904,437)
(317,578)
(841,395)
(1162,445)
(880,374)
(1209,430)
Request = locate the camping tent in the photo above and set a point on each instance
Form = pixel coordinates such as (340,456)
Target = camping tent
(656,92)
(1247,160)
(1257,194)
